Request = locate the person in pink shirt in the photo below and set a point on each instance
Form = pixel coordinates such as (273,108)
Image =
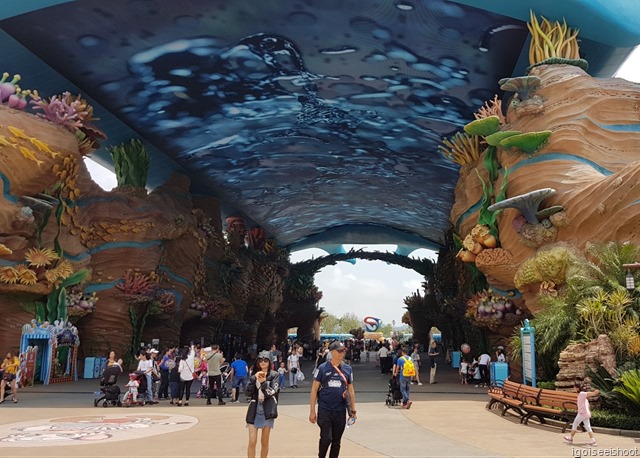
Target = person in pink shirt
(584,413)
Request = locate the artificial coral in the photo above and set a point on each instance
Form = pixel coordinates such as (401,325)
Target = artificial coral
(491,108)
(461,148)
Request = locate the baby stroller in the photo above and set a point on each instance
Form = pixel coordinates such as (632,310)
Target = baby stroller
(394,395)
(226,393)
(204,387)
(127,399)
(109,388)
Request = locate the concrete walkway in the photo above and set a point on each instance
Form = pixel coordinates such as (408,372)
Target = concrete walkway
(447,419)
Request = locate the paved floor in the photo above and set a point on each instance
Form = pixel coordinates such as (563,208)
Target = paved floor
(446,420)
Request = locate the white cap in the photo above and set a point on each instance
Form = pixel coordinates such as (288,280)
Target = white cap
(208,349)
(153,350)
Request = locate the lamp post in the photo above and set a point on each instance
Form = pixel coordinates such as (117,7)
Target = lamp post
(630,282)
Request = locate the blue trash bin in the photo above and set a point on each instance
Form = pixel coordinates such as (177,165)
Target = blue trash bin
(89,367)
(498,373)
(97,373)
(455,359)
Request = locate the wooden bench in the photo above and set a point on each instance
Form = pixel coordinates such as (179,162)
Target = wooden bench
(560,405)
(513,396)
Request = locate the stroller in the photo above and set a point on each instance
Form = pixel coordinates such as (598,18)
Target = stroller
(127,399)
(394,396)
(109,388)
(204,387)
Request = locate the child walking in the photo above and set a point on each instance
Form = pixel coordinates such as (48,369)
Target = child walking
(464,371)
(584,414)
(281,371)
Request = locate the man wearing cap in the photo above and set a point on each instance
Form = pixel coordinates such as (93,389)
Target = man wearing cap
(214,358)
(333,390)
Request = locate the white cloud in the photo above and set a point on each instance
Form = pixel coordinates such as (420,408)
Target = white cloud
(412,284)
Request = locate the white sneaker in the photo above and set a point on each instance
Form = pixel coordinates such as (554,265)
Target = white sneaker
(592,443)
(419,384)
(568,439)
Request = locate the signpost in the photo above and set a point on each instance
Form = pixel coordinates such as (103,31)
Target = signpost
(30,366)
(527,336)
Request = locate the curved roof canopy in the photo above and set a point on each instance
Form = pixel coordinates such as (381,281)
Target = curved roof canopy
(318,120)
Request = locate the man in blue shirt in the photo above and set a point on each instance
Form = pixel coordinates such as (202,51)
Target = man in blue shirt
(238,375)
(405,382)
(333,390)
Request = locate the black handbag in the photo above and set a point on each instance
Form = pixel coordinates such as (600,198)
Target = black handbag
(294,370)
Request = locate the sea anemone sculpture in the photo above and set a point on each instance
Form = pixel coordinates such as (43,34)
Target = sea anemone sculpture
(461,148)
(40,257)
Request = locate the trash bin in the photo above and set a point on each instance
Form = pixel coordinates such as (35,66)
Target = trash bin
(97,369)
(103,364)
(89,367)
(455,359)
(498,373)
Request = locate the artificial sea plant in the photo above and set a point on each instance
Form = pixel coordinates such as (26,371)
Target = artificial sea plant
(131,162)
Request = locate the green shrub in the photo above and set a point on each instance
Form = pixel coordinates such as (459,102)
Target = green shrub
(629,387)
(616,420)
(546,385)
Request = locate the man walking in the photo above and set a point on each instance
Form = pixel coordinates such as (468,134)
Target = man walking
(483,367)
(433,355)
(214,361)
(405,375)
(333,390)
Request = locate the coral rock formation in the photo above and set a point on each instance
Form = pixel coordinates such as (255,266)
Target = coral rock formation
(576,358)
(590,160)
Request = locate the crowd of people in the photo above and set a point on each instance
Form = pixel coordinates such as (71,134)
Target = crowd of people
(170,375)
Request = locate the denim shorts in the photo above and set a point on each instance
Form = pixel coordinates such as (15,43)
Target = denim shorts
(261,421)
(239,381)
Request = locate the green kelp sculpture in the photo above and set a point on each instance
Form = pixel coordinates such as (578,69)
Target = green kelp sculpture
(131,162)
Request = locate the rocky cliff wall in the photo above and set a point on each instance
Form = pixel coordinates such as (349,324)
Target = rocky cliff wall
(106,232)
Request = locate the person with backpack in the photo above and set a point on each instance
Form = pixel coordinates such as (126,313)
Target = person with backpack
(405,369)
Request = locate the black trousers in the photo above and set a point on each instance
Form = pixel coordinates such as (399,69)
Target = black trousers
(185,389)
(484,373)
(217,380)
(332,424)
(163,392)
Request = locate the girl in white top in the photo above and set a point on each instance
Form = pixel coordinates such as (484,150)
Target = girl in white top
(186,369)
(146,365)
(293,362)
(464,371)
(584,414)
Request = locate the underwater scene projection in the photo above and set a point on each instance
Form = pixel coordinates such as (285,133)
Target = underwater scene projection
(301,115)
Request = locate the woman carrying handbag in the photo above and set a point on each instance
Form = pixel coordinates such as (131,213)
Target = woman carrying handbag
(262,389)
(187,374)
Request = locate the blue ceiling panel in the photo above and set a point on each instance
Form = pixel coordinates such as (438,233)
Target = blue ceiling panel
(304,116)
